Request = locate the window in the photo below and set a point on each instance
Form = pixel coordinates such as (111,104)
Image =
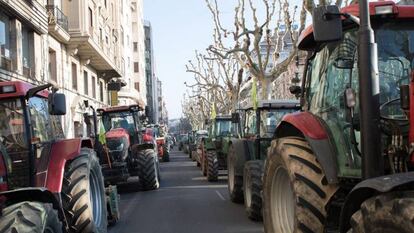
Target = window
(134,6)
(106,3)
(101,90)
(52,65)
(137,86)
(39,115)
(5,42)
(90,17)
(250,123)
(135,46)
(26,47)
(136,67)
(85,83)
(100,35)
(93,87)
(74,77)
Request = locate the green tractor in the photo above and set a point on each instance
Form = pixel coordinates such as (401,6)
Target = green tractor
(246,154)
(345,163)
(215,146)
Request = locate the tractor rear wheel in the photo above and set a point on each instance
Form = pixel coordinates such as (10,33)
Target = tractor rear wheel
(252,188)
(83,194)
(213,166)
(234,182)
(30,217)
(296,194)
(148,169)
(391,213)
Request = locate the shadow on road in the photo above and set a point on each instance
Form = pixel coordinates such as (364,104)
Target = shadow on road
(185,203)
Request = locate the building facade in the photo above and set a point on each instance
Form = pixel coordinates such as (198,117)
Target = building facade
(151,79)
(75,44)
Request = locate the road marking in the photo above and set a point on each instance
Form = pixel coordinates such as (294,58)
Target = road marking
(221,196)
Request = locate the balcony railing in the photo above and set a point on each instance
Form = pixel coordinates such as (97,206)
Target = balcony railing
(56,16)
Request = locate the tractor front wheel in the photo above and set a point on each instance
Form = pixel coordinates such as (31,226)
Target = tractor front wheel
(252,188)
(148,169)
(296,193)
(30,217)
(234,182)
(391,213)
(83,194)
(212,166)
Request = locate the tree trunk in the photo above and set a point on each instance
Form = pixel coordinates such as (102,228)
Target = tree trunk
(266,89)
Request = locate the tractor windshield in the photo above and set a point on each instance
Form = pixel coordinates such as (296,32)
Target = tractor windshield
(269,119)
(223,127)
(113,120)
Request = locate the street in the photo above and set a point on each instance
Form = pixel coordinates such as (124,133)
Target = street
(185,202)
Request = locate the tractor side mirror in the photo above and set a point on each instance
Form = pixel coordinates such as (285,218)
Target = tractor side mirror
(235,117)
(57,104)
(327,24)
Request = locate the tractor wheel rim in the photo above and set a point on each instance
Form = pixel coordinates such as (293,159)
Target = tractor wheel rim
(282,202)
(248,191)
(95,198)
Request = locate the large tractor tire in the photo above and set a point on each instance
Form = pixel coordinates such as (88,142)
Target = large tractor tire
(204,163)
(83,194)
(252,188)
(212,166)
(390,213)
(30,217)
(148,169)
(296,194)
(166,156)
(234,182)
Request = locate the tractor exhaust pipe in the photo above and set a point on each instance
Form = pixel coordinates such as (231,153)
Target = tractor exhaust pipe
(372,164)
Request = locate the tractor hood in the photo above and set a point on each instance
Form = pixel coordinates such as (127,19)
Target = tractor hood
(117,133)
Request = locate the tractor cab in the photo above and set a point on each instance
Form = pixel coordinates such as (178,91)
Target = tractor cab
(258,123)
(28,127)
(356,127)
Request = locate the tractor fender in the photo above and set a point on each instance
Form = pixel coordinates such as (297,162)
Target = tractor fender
(143,146)
(370,188)
(60,152)
(307,125)
(242,154)
(36,194)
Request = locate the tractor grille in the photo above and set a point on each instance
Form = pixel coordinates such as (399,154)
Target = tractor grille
(118,148)
(20,170)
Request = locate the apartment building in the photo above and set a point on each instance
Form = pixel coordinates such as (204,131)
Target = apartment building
(151,79)
(77,44)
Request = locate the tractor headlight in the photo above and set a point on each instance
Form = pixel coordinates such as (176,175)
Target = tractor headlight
(120,147)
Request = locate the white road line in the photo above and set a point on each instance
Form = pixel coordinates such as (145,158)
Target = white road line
(221,196)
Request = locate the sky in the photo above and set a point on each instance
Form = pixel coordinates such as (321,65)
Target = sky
(179,28)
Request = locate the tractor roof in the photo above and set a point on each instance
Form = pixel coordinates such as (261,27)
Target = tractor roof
(12,89)
(307,42)
(223,117)
(119,108)
(274,104)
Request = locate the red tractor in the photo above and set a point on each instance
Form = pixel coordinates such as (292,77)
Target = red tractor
(345,163)
(47,184)
(130,153)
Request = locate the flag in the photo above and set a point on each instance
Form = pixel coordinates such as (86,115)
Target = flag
(254,93)
(213,111)
(102,138)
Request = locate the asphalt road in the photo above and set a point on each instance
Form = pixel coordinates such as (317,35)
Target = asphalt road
(185,203)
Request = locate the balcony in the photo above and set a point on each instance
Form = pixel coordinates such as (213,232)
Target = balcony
(58,24)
